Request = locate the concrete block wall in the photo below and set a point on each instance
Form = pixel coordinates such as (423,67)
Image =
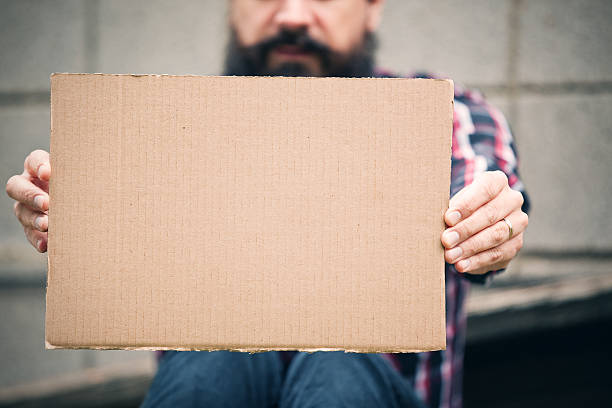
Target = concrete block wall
(547,64)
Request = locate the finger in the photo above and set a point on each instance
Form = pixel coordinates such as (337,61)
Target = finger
(30,218)
(490,237)
(43,185)
(37,165)
(494,267)
(37,239)
(486,260)
(470,198)
(23,190)
(487,215)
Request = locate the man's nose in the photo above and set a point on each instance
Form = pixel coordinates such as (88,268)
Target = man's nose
(294,14)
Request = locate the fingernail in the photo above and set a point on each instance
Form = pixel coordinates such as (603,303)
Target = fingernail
(39,244)
(38,201)
(454,217)
(451,238)
(38,223)
(463,265)
(454,253)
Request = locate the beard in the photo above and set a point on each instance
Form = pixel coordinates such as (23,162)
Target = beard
(254,60)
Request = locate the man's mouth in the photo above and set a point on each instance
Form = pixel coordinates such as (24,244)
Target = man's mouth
(288,50)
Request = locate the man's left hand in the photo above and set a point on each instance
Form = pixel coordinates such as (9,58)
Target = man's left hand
(478,239)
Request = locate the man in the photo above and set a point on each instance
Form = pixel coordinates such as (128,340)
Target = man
(485,219)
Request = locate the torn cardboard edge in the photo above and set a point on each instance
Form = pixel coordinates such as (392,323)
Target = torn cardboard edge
(54,74)
(89,106)
(49,346)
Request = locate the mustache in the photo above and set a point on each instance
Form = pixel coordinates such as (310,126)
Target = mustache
(298,38)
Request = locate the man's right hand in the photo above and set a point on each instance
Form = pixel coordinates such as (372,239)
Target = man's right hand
(30,190)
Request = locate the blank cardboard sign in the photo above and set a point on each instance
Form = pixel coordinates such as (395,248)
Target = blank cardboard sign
(247,213)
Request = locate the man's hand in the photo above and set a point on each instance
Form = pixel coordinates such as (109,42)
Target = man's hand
(30,189)
(478,239)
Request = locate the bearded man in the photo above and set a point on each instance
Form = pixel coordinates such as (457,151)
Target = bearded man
(486,219)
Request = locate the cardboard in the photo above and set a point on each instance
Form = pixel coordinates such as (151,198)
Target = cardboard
(247,213)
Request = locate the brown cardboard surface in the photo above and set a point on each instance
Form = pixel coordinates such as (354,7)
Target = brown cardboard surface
(247,213)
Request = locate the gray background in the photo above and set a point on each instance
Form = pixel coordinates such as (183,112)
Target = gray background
(547,64)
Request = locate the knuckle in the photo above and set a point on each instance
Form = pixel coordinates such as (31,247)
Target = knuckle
(463,207)
(496,255)
(515,197)
(519,242)
(491,214)
(475,263)
(28,233)
(31,237)
(480,243)
(10,184)
(31,159)
(28,195)
(468,248)
(501,177)
(38,154)
(465,229)
(461,203)
(21,214)
(491,189)
(524,219)
(500,233)
(519,197)
(514,252)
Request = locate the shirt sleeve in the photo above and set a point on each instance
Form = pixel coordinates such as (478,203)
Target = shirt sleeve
(482,141)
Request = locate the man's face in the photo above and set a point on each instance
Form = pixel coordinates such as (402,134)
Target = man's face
(302,37)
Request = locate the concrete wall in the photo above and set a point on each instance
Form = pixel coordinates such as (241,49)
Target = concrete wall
(547,64)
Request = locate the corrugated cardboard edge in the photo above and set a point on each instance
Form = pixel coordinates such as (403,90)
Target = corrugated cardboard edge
(248,76)
(450,159)
(450,167)
(50,346)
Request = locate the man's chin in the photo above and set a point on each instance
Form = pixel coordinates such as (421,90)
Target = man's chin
(292,69)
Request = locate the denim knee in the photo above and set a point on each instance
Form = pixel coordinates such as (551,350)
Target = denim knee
(216,379)
(338,379)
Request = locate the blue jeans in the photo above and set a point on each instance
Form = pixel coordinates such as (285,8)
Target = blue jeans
(322,379)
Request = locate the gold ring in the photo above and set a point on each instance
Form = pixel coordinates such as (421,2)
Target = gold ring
(510,231)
